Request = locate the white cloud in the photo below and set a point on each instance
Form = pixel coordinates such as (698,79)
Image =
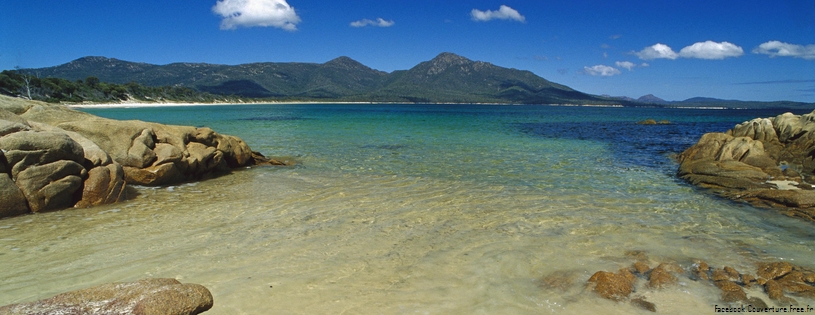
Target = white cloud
(601,70)
(251,13)
(625,65)
(503,13)
(379,22)
(700,50)
(657,51)
(711,50)
(780,49)
(645,64)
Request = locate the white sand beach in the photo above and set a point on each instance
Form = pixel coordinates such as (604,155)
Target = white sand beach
(158,104)
(170,104)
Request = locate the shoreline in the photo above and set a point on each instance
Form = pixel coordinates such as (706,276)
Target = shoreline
(179,104)
(174,104)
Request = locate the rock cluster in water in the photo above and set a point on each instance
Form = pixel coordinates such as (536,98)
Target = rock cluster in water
(778,280)
(653,122)
(53,157)
(765,161)
(143,297)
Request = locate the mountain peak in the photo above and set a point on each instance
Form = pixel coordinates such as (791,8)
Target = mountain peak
(344,63)
(342,60)
(650,98)
(450,58)
(93,59)
(98,62)
(90,60)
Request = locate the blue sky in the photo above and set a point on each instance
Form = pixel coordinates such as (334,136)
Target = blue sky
(746,49)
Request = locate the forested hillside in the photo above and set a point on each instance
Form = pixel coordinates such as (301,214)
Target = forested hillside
(91,89)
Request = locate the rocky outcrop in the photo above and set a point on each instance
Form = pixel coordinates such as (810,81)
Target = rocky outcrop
(766,161)
(143,297)
(782,283)
(653,122)
(53,157)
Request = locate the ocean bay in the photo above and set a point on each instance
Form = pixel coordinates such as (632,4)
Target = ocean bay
(412,208)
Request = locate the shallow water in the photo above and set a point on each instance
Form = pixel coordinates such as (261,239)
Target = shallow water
(425,209)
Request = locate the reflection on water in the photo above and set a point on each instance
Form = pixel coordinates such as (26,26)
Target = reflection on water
(452,218)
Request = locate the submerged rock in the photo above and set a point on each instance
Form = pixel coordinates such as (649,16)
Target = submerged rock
(641,267)
(643,304)
(731,292)
(143,297)
(53,157)
(775,270)
(663,275)
(777,279)
(612,286)
(765,161)
(700,270)
(776,293)
(558,280)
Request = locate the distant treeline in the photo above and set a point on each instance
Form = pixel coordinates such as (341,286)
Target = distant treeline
(91,89)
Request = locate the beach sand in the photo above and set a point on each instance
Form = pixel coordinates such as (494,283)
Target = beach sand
(170,104)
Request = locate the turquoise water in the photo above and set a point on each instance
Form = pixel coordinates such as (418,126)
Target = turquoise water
(394,209)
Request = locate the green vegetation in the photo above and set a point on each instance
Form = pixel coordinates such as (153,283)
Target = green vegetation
(447,78)
(91,89)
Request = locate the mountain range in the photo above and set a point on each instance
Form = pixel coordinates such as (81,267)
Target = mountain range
(447,78)
(708,102)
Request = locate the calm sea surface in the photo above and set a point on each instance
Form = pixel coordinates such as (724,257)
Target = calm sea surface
(414,209)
